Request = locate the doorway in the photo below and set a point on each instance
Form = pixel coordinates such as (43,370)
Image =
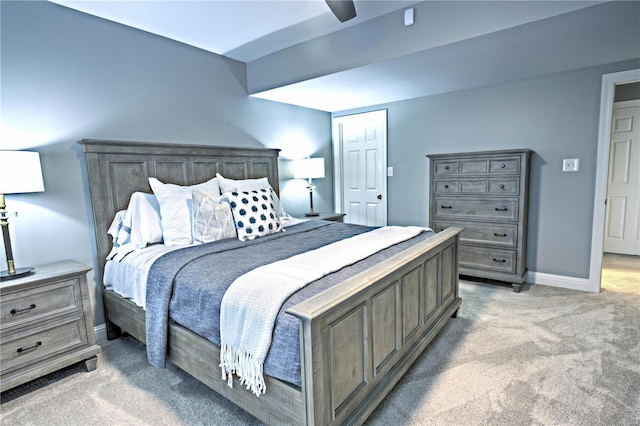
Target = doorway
(621,230)
(360,158)
(609,83)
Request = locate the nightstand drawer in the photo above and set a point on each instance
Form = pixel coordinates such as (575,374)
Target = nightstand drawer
(493,234)
(29,345)
(489,259)
(40,302)
(504,209)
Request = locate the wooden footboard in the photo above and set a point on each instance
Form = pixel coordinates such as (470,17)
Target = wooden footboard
(359,337)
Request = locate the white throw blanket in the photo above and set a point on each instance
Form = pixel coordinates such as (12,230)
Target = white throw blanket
(250,305)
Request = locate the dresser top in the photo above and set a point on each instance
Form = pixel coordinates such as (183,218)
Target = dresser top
(482,153)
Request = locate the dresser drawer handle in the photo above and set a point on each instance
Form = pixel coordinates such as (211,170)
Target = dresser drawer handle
(30,348)
(501,209)
(15,311)
(502,186)
(502,166)
(446,187)
(499,260)
(446,167)
(499,235)
(446,207)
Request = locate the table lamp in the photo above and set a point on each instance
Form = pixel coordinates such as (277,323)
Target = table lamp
(309,168)
(20,172)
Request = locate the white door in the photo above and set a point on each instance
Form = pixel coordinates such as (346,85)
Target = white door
(622,223)
(360,155)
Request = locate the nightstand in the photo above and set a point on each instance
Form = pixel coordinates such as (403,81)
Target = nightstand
(335,217)
(45,323)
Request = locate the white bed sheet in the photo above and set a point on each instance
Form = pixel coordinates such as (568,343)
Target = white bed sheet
(127,275)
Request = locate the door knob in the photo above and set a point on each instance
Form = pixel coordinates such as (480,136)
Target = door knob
(379,196)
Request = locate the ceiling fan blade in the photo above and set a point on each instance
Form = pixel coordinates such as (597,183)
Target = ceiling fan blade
(343,9)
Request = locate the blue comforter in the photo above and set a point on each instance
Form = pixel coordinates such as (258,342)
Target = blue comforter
(187,286)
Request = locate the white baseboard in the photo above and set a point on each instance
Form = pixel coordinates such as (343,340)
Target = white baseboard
(561,281)
(101,332)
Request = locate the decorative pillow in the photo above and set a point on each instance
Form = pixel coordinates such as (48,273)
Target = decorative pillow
(253,213)
(211,220)
(240,185)
(175,208)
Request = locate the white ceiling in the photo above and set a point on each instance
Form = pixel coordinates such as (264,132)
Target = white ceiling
(489,42)
(239,29)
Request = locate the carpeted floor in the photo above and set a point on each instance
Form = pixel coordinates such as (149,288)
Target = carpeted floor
(545,356)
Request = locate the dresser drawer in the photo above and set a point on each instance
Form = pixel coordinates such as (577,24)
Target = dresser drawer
(504,186)
(487,258)
(447,186)
(446,167)
(492,234)
(477,166)
(40,302)
(504,209)
(28,345)
(505,165)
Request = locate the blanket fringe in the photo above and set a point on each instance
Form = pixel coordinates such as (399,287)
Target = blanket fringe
(245,366)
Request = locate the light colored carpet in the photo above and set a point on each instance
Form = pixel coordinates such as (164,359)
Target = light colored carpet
(545,356)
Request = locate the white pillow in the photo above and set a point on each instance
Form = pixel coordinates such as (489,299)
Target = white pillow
(253,213)
(175,208)
(240,185)
(138,226)
(146,225)
(211,220)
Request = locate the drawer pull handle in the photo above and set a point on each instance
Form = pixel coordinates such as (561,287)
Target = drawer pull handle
(501,209)
(446,187)
(445,207)
(15,311)
(499,260)
(30,348)
(499,235)
(502,186)
(446,167)
(502,166)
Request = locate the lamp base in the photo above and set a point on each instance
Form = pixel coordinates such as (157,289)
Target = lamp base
(312,214)
(20,272)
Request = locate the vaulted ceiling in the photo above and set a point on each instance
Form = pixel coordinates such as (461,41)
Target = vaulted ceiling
(298,52)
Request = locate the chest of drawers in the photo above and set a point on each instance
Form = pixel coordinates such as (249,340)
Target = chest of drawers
(45,323)
(487,194)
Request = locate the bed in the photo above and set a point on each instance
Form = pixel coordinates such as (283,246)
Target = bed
(356,338)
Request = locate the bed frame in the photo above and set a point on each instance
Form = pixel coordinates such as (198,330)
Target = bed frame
(357,339)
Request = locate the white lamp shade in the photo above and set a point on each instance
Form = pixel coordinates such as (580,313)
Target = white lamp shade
(20,172)
(308,168)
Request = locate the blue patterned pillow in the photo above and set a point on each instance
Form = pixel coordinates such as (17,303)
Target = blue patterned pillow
(253,212)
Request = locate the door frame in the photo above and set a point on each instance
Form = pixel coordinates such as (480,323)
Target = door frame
(607,96)
(338,168)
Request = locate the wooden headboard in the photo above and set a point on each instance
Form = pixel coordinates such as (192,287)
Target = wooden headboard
(117,169)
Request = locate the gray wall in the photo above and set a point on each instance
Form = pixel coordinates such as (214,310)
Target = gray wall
(556,116)
(68,76)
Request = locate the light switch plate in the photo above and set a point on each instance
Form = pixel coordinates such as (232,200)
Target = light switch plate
(571,165)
